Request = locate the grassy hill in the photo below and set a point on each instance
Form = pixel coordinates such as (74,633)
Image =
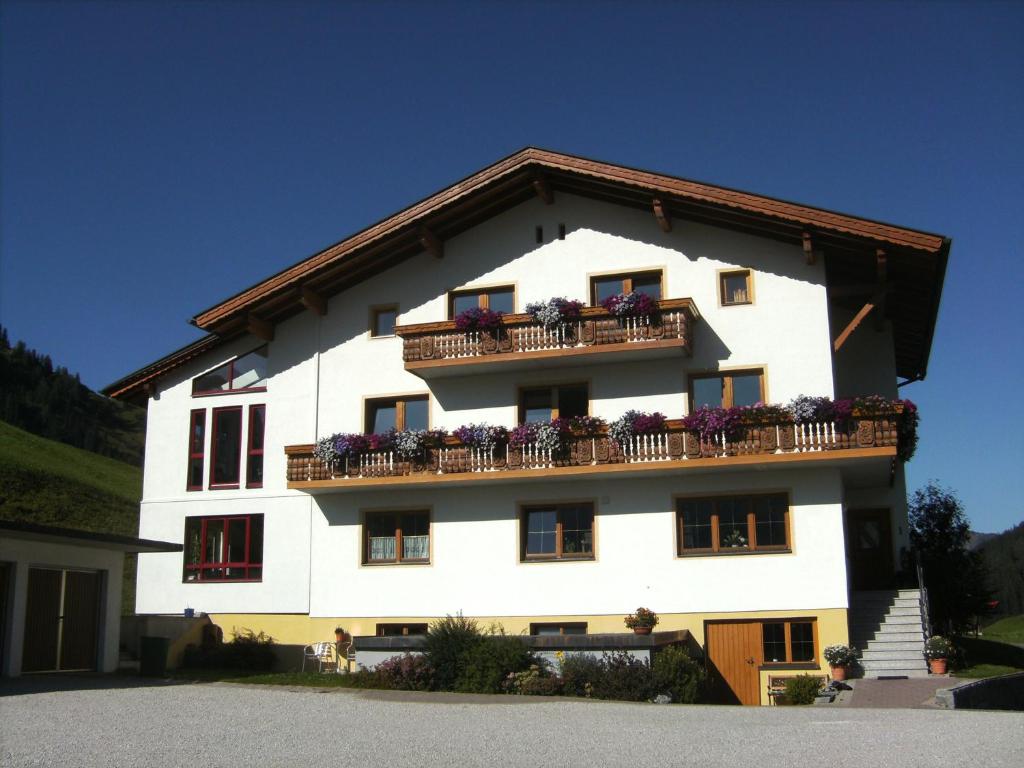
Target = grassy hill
(51,483)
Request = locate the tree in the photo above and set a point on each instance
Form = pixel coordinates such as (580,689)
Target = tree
(953,575)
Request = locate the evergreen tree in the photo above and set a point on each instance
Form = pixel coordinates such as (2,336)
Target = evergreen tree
(953,575)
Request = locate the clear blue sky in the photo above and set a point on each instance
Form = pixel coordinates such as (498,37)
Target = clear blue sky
(157,157)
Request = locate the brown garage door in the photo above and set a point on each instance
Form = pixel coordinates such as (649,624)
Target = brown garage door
(61,620)
(734,655)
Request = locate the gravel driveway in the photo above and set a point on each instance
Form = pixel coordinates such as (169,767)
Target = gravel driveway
(235,725)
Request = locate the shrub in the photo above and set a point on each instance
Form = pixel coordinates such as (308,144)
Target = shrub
(535,681)
(624,678)
(490,661)
(580,672)
(409,672)
(448,645)
(676,673)
(247,650)
(802,689)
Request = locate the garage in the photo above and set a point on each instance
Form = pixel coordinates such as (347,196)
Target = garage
(60,597)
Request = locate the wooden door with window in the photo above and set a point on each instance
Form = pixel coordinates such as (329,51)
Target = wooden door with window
(869,547)
(61,620)
(734,658)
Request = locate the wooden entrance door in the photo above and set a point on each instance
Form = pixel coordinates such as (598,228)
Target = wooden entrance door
(61,621)
(734,655)
(869,547)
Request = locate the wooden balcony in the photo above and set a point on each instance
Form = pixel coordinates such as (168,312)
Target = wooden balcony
(434,350)
(866,439)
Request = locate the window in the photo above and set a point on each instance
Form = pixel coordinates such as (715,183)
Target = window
(400,630)
(735,288)
(383,321)
(558,532)
(726,390)
(196,450)
(788,642)
(733,524)
(603,286)
(254,454)
(498,299)
(248,372)
(223,548)
(547,629)
(397,537)
(546,403)
(399,413)
(226,457)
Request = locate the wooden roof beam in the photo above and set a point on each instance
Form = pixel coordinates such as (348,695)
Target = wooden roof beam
(852,326)
(881,271)
(431,243)
(259,327)
(809,253)
(661,215)
(313,301)
(543,190)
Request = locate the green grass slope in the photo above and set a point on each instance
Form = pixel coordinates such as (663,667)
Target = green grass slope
(1008,630)
(50,483)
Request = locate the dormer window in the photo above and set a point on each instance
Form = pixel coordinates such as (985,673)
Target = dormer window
(247,373)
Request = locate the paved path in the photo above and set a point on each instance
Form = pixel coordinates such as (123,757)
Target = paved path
(225,725)
(912,693)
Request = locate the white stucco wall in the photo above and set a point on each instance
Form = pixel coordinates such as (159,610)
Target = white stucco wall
(322,369)
(25,554)
(476,567)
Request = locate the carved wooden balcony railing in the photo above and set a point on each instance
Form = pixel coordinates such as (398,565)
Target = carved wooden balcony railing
(588,454)
(430,347)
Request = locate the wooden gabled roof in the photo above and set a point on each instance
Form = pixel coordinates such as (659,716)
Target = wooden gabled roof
(918,257)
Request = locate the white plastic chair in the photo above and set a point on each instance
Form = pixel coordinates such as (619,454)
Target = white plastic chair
(321,653)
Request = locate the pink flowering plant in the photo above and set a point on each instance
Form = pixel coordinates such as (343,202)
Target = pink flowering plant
(635,304)
(478,319)
(587,425)
(633,423)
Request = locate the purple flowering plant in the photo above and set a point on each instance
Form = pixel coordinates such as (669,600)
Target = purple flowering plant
(478,319)
(635,304)
(708,422)
(632,423)
(482,435)
(587,425)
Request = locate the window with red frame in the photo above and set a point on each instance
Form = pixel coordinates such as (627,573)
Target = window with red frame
(196,450)
(226,447)
(223,548)
(245,373)
(254,457)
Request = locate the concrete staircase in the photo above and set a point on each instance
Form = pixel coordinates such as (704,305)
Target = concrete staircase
(887,629)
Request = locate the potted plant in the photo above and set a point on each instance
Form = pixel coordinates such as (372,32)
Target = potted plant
(642,621)
(478,319)
(839,658)
(339,634)
(937,651)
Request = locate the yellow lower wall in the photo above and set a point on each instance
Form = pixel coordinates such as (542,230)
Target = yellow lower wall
(301,629)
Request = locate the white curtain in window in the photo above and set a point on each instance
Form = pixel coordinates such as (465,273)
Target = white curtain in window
(415,547)
(382,547)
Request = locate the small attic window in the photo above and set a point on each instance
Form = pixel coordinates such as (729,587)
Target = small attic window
(247,373)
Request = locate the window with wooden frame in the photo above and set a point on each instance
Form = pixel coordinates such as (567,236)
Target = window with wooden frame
(500,298)
(254,452)
(557,532)
(538,404)
(396,537)
(550,628)
(400,630)
(226,447)
(733,524)
(223,548)
(406,412)
(247,373)
(726,389)
(196,450)
(383,321)
(735,287)
(603,286)
(792,641)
